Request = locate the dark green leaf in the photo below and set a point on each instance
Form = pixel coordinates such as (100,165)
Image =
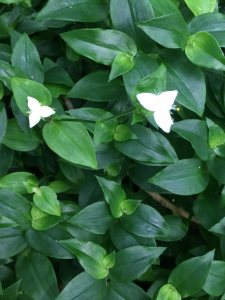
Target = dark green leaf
(5,163)
(216,167)
(14,182)
(215,283)
(3,121)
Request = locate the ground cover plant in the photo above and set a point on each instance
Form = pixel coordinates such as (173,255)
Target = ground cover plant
(112,150)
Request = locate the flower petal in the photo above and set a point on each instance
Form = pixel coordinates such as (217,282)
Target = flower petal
(166,99)
(34,118)
(46,111)
(149,101)
(163,119)
(33,104)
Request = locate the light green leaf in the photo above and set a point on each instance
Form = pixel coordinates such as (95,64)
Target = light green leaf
(216,134)
(199,7)
(122,64)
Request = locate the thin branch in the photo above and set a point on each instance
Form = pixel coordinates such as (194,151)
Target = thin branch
(176,210)
(68,103)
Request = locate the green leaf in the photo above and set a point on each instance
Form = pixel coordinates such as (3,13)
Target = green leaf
(21,119)
(151,147)
(126,14)
(215,283)
(71,141)
(170,31)
(211,23)
(42,220)
(6,222)
(95,87)
(194,271)
(178,229)
(204,51)
(14,182)
(16,139)
(22,88)
(129,206)
(218,229)
(168,292)
(189,80)
(132,262)
(109,260)
(145,222)
(154,83)
(46,199)
(12,242)
(125,291)
(15,207)
(90,256)
(123,133)
(11,292)
(123,239)
(3,121)
(96,218)
(38,276)
(58,75)
(187,177)
(207,209)
(216,134)
(216,167)
(104,132)
(100,45)
(196,132)
(6,52)
(199,7)
(7,72)
(86,286)
(26,58)
(5,163)
(163,7)
(46,242)
(143,66)
(122,64)
(74,10)
(114,195)
(59,186)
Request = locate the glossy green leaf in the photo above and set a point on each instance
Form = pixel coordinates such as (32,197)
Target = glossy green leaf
(189,80)
(46,199)
(87,287)
(125,13)
(163,7)
(199,7)
(6,222)
(14,182)
(129,206)
(122,64)
(74,10)
(196,132)
(71,141)
(216,134)
(170,31)
(114,195)
(7,72)
(38,276)
(218,229)
(96,218)
(95,87)
(15,207)
(150,148)
(123,239)
(22,120)
(211,23)
(204,51)
(109,260)
(216,279)
(187,177)
(5,163)
(22,88)
(12,242)
(100,45)
(125,291)
(11,292)
(216,167)
(3,121)
(16,139)
(90,256)
(58,75)
(26,58)
(194,271)
(168,292)
(145,222)
(132,262)
(46,242)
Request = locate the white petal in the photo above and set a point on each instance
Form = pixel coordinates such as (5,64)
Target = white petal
(46,111)
(149,101)
(34,118)
(163,119)
(33,104)
(166,99)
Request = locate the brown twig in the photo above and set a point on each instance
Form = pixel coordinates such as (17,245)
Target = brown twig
(178,211)
(68,103)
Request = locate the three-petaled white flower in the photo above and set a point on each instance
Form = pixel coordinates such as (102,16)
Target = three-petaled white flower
(37,111)
(161,105)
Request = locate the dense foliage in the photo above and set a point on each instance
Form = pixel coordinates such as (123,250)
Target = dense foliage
(97,201)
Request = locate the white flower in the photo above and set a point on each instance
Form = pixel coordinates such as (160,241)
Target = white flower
(161,105)
(37,111)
